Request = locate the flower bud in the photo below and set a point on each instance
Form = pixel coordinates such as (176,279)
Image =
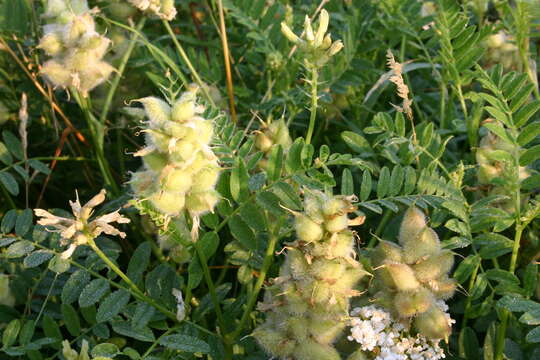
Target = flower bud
(335,48)
(286,30)
(157,110)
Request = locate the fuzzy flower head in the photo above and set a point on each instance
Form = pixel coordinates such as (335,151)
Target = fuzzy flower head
(75,47)
(317,45)
(180,168)
(79,230)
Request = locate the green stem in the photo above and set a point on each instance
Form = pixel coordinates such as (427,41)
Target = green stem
(114,268)
(184,57)
(468,303)
(213,296)
(267,262)
(314,99)
(501,334)
(121,68)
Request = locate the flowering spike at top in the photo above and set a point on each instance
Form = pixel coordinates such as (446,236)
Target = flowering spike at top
(163,9)
(317,46)
(76,49)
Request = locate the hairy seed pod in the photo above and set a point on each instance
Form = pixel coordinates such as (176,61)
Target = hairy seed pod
(403,276)
(312,350)
(413,222)
(316,281)
(307,230)
(425,244)
(337,224)
(434,266)
(410,303)
(433,324)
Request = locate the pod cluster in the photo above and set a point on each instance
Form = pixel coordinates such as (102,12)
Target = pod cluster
(490,169)
(75,47)
(412,276)
(163,9)
(180,169)
(308,302)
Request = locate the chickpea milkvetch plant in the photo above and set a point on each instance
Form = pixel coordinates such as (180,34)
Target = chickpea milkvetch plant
(374,197)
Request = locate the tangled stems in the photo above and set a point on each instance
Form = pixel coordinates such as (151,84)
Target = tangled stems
(314,99)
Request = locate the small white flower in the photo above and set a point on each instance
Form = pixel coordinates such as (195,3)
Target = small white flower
(79,230)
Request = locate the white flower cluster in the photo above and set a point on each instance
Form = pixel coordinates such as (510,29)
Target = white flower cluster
(164,9)
(378,332)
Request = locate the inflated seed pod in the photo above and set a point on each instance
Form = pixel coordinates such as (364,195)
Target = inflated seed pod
(178,159)
(433,323)
(411,278)
(77,50)
(309,304)
(272,132)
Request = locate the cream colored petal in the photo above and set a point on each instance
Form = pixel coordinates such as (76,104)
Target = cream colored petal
(289,34)
(113,217)
(69,232)
(96,200)
(324,19)
(67,254)
(308,29)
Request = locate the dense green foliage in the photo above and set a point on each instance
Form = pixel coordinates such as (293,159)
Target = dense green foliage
(287,177)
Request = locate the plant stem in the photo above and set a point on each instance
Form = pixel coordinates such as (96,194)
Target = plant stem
(113,267)
(184,57)
(267,262)
(314,99)
(225,44)
(501,334)
(121,68)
